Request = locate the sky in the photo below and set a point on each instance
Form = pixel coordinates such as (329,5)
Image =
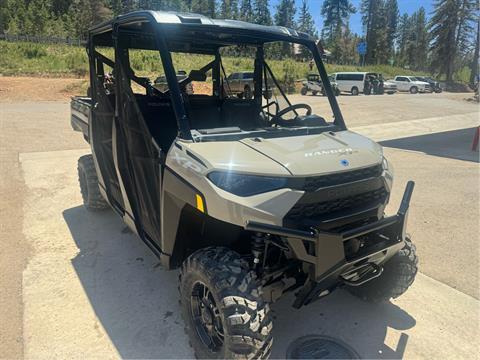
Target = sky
(405,6)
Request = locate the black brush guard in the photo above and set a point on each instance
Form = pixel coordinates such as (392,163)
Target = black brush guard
(323,253)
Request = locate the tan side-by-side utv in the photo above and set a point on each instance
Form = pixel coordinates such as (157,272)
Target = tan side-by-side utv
(250,197)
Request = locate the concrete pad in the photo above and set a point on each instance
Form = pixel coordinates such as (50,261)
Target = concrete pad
(409,128)
(93,290)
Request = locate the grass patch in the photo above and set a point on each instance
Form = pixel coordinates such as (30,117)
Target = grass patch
(55,60)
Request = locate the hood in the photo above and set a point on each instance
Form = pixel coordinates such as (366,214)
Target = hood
(423,83)
(319,154)
(295,155)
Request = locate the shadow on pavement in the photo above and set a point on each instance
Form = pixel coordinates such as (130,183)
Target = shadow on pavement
(455,144)
(137,302)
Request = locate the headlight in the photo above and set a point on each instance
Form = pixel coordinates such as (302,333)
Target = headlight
(245,185)
(385,163)
(388,171)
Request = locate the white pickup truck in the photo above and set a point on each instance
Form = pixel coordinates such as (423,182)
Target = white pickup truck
(411,84)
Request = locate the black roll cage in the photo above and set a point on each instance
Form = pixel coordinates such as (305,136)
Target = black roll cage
(167,36)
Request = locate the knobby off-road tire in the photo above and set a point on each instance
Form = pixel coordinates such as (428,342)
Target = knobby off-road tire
(235,297)
(398,274)
(87,177)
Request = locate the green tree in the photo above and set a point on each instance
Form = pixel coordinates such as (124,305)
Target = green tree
(86,13)
(228,9)
(305,21)
(474,71)
(421,40)
(261,13)
(450,28)
(205,7)
(246,10)
(372,16)
(392,17)
(336,14)
(285,16)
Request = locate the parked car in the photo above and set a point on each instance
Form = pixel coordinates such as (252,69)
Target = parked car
(241,85)
(160,82)
(351,82)
(411,84)
(434,85)
(389,87)
(315,86)
(250,201)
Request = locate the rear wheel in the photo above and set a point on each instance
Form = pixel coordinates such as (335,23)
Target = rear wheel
(413,90)
(314,93)
(222,307)
(87,177)
(354,91)
(398,274)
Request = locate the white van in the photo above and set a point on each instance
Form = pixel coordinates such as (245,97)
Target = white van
(351,82)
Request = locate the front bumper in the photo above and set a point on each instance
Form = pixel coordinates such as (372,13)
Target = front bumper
(324,253)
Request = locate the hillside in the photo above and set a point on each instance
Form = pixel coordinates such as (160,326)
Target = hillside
(22,58)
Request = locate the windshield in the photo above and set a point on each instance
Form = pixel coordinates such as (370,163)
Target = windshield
(235,91)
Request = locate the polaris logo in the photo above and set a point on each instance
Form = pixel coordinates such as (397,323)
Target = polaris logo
(330,152)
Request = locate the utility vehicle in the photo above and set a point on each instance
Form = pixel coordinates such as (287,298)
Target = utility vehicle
(314,84)
(250,198)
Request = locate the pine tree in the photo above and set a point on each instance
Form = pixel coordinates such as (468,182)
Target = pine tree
(261,13)
(449,29)
(371,18)
(285,16)
(392,16)
(474,64)
(246,10)
(421,45)
(228,9)
(204,7)
(305,20)
(336,14)
(306,24)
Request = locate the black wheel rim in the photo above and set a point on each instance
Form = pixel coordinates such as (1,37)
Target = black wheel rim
(206,317)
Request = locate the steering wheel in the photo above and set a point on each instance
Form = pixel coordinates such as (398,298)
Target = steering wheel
(278,120)
(277,108)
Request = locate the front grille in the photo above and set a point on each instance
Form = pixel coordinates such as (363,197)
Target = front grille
(314,210)
(314,183)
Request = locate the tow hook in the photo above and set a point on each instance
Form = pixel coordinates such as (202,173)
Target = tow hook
(366,273)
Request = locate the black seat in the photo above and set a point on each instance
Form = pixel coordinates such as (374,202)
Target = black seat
(204,112)
(242,113)
(160,118)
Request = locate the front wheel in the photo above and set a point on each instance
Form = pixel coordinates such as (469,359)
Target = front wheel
(354,91)
(224,313)
(304,90)
(413,90)
(398,274)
